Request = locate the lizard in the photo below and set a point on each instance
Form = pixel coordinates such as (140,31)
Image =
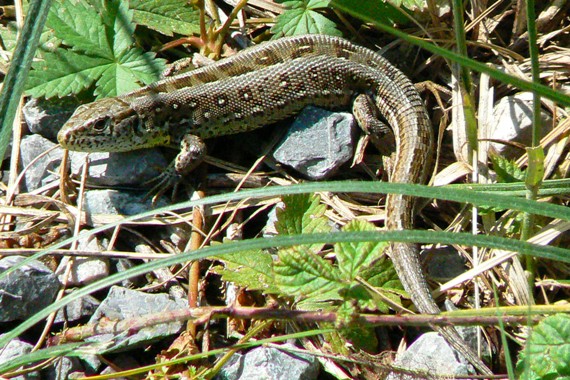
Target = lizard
(264,84)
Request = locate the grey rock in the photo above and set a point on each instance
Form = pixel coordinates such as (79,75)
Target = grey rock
(44,170)
(26,290)
(45,117)
(105,169)
(84,269)
(62,368)
(80,308)
(120,169)
(431,354)
(117,202)
(121,265)
(122,304)
(512,121)
(269,363)
(318,142)
(14,349)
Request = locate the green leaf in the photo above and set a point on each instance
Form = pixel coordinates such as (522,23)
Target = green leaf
(67,72)
(249,269)
(535,171)
(507,171)
(547,351)
(102,52)
(300,17)
(166,16)
(384,283)
(124,76)
(119,19)
(300,272)
(78,25)
(382,12)
(302,213)
(353,257)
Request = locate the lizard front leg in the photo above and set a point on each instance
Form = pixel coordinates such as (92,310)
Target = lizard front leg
(192,153)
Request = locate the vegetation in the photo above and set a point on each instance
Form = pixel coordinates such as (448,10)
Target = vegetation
(325,272)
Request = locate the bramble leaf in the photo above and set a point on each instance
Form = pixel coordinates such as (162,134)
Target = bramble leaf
(251,269)
(100,51)
(547,351)
(166,16)
(301,17)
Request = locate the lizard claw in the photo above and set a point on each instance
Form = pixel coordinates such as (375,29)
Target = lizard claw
(162,183)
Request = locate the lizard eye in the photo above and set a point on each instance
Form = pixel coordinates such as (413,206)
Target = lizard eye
(100,125)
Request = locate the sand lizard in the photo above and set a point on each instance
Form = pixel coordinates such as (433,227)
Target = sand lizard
(264,84)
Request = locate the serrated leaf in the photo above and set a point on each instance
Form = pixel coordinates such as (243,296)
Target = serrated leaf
(123,26)
(103,32)
(166,16)
(124,76)
(250,269)
(300,17)
(79,25)
(67,72)
(385,288)
(300,272)
(547,350)
(507,171)
(353,257)
(302,214)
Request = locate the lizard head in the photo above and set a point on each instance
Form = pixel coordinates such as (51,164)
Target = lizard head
(108,125)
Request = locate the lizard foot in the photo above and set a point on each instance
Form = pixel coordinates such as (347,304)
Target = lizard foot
(162,183)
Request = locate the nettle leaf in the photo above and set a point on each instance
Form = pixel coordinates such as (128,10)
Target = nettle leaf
(547,352)
(250,269)
(166,16)
(100,50)
(300,17)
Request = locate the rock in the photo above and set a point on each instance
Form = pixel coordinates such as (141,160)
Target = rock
(444,263)
(512,121)
(77,309)
(85,269)
(45,169)
(318,142)
(118,202)
(120,169)
(45,117)
(431,354)
(269,363)
(14,349)
(27,290)
(62,368)
(122,304)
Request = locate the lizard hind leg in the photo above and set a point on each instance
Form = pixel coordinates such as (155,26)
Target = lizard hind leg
(376,130)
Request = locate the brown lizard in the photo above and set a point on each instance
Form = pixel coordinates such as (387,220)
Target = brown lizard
(264,84)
